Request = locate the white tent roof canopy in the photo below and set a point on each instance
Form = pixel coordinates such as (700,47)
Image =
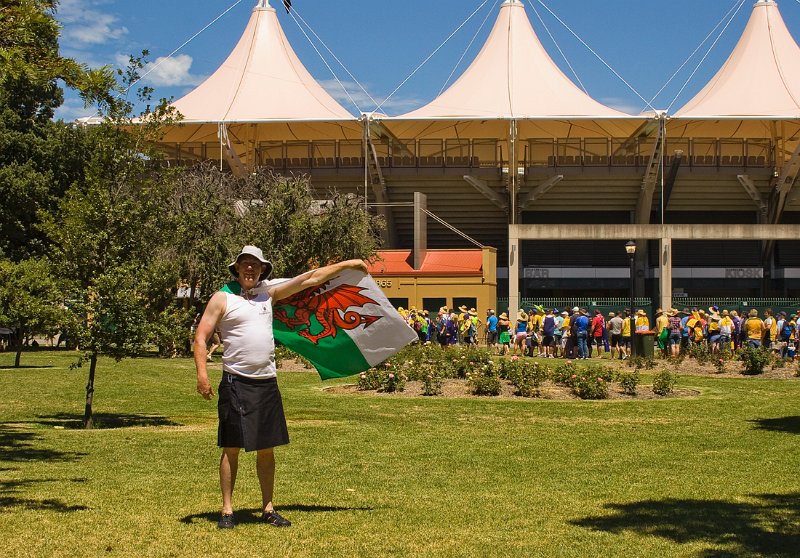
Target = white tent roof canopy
(512,77)
(760,79)
(262,80)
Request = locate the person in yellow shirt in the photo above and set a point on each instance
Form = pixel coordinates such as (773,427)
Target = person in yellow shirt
(642,322)
(754,329)
(565,333)
(662,331)
(713,329)
(626,334)
(726,329)
(535,332)
(770,329)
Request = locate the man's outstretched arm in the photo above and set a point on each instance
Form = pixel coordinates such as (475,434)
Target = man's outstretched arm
(313,278)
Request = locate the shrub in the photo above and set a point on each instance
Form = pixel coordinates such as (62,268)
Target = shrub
(369,380)
(589,385)
(640,362)
(700,352)
(469,359)
(526,375)
(432,384)
(417,361)
(485,381)
(754,360)
(391,382)
(629,382)
(664,383)
(605,372)
(564,373)
(719,364)
(778,362)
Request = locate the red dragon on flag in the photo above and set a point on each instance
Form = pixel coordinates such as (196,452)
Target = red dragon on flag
(329,307)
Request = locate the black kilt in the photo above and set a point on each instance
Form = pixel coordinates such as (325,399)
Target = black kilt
(250,414)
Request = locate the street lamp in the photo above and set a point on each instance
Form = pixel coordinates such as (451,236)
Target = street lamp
(630,248)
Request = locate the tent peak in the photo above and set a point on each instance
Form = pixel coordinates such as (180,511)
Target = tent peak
(263,5)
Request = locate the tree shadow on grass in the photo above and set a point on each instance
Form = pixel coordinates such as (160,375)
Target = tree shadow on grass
(768,526)
(20,445)
(9,501)
(26,367)
(105,420)
(790,425)
(50,504)
(254,515)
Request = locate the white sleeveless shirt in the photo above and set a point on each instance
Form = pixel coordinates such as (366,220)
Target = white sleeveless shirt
(246,329)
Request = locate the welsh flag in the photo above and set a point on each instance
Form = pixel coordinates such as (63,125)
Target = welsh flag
(343,327)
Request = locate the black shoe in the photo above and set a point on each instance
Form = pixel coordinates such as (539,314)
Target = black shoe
(226,521)
(275,519)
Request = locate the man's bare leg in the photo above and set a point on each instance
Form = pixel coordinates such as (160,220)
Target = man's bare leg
(228,467)
(265,468)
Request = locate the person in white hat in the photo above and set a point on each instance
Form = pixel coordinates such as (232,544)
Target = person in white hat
(250,407)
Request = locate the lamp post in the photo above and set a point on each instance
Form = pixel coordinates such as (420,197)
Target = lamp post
(630,248)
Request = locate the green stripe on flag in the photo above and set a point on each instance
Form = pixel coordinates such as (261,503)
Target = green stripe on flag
(333,357)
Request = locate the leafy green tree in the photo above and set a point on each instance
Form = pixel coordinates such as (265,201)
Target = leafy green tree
(109,230)
(299,232)
(31,300)
(39,158)
(217,213)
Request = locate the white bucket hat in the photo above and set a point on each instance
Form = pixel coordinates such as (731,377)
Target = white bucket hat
(256,253)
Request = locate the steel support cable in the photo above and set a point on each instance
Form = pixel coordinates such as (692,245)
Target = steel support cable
(474,37)
(600,58)
(452,228)
(171,54)
(294,13)
(324,61)
(561,52)
(431,55)
(682,66)
(697,68)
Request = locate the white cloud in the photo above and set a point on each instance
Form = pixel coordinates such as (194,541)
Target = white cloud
(169,72)
(395,105)
(73,108)
(165,72)
(85,26)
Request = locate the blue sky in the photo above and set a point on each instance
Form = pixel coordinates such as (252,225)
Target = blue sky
(381,42)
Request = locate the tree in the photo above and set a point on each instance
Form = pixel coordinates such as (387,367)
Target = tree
(217,213)
(39,158)
(109,230)
(31,300)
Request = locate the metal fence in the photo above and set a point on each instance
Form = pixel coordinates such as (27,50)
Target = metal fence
(606,305)
(741,305)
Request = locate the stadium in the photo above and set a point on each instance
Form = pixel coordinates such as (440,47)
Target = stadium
(515,156)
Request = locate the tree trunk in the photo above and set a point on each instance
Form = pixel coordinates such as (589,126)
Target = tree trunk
(87,414)
(20,335)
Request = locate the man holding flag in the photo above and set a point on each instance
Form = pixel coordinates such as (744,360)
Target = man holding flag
(250,407)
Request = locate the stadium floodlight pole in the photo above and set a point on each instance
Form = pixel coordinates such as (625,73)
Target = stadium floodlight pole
(630,248)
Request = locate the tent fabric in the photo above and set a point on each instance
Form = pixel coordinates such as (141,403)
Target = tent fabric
(760,79)
(513,77)
(262,80)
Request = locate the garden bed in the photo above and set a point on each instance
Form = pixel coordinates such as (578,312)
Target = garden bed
(455,388)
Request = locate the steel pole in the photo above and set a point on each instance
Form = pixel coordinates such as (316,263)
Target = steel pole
(633,310)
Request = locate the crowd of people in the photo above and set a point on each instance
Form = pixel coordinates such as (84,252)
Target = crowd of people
(577,333)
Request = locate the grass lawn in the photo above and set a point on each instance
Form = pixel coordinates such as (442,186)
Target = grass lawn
(713,475)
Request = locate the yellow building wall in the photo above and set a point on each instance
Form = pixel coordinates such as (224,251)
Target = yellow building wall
(420,287)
